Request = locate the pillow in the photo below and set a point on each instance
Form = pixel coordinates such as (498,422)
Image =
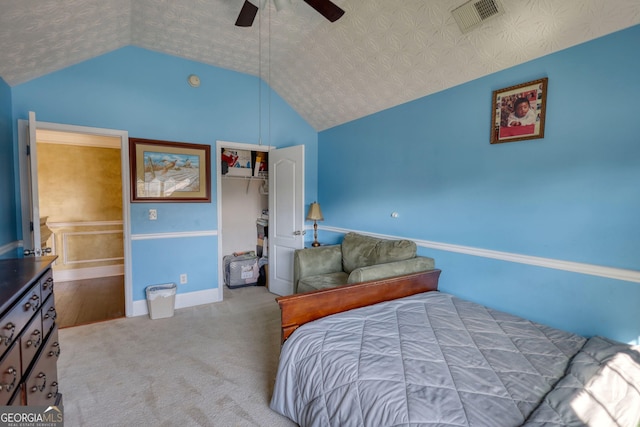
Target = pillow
(362,251)
(601,388)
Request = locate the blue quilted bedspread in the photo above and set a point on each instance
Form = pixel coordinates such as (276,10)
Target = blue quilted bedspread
(426,360)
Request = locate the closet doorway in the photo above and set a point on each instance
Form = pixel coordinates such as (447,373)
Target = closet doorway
(243,199)
(285,204)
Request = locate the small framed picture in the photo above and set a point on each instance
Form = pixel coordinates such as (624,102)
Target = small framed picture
(518,112)
(164,171)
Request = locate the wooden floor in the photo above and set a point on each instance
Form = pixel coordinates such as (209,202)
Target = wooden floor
(88,301)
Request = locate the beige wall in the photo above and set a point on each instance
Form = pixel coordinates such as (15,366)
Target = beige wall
(80,191)
(79,183)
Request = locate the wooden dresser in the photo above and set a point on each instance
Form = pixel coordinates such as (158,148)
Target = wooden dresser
(28,333)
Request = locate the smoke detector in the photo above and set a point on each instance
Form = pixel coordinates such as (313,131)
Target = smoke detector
(193,80)
(474,12)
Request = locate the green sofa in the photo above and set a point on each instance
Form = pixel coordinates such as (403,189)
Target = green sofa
(358,258)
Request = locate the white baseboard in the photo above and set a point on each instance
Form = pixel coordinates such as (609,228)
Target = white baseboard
(190,299)
(87,273)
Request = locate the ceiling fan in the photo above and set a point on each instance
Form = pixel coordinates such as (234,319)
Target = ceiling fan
(325,8)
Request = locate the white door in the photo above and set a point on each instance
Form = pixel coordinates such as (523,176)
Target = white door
(286,215)
(29,190)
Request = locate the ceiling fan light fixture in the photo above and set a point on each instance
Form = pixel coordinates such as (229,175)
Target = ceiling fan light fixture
(326,8)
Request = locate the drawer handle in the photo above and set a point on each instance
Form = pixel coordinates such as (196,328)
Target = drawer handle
(34,306)
(10,327)
(52,316)
(48,283)
(51,393)
(9,387)
(36,343)
(41,388)
(55,353)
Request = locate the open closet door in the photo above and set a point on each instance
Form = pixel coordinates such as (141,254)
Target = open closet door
(286,215)
(31,236)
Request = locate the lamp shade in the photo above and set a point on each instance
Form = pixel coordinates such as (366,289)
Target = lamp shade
(314,214)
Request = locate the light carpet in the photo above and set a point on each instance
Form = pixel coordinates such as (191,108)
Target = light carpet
(210,365)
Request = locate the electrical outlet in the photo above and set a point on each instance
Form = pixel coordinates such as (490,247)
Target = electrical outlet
(183,279)
(153,214)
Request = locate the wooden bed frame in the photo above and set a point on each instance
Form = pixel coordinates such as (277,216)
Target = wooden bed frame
(298,309)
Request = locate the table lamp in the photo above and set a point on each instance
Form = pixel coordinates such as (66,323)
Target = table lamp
(315,215)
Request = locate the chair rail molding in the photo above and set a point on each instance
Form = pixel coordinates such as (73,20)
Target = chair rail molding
(176,235)
(575,267)
(12,246)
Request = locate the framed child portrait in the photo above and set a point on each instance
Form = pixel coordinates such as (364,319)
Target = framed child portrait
(518,112)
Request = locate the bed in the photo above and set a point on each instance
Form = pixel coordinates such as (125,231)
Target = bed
(397,352)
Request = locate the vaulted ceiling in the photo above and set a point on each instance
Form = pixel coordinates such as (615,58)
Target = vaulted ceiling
(381,53)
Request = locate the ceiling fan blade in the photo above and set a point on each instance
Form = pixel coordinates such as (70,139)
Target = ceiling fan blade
(247,14)
(326,8)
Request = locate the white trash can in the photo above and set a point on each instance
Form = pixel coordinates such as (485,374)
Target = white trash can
(161,300)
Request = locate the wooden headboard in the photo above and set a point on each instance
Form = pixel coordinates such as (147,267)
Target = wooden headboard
(298,309)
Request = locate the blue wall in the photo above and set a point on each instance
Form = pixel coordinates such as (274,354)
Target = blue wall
(573,196)
(7,193)
(146,93)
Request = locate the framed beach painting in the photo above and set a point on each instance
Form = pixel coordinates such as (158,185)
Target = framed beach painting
(164,171)
(518,112)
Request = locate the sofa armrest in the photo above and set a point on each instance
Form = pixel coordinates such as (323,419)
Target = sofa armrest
(314,261)
(391,269)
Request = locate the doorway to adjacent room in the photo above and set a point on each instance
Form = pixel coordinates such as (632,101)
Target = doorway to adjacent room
(74,181)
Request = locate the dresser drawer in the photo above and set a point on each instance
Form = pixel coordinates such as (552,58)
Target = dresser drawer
(16,400)
(41,384)
(15,320)
(30,342)
(46,283)
(52,347)
(29,346)
(9,374)
(48,314)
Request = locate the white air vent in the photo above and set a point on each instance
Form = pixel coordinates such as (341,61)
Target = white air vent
(474,12)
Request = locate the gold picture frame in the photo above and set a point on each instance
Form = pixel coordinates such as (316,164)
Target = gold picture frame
(165,171)
(519,111)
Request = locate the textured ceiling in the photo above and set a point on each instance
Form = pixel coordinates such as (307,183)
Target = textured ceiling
(381,53)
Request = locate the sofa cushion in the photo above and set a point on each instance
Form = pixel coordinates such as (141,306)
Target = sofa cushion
(362,251)
(391,269)
(321,281)
(314,261)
